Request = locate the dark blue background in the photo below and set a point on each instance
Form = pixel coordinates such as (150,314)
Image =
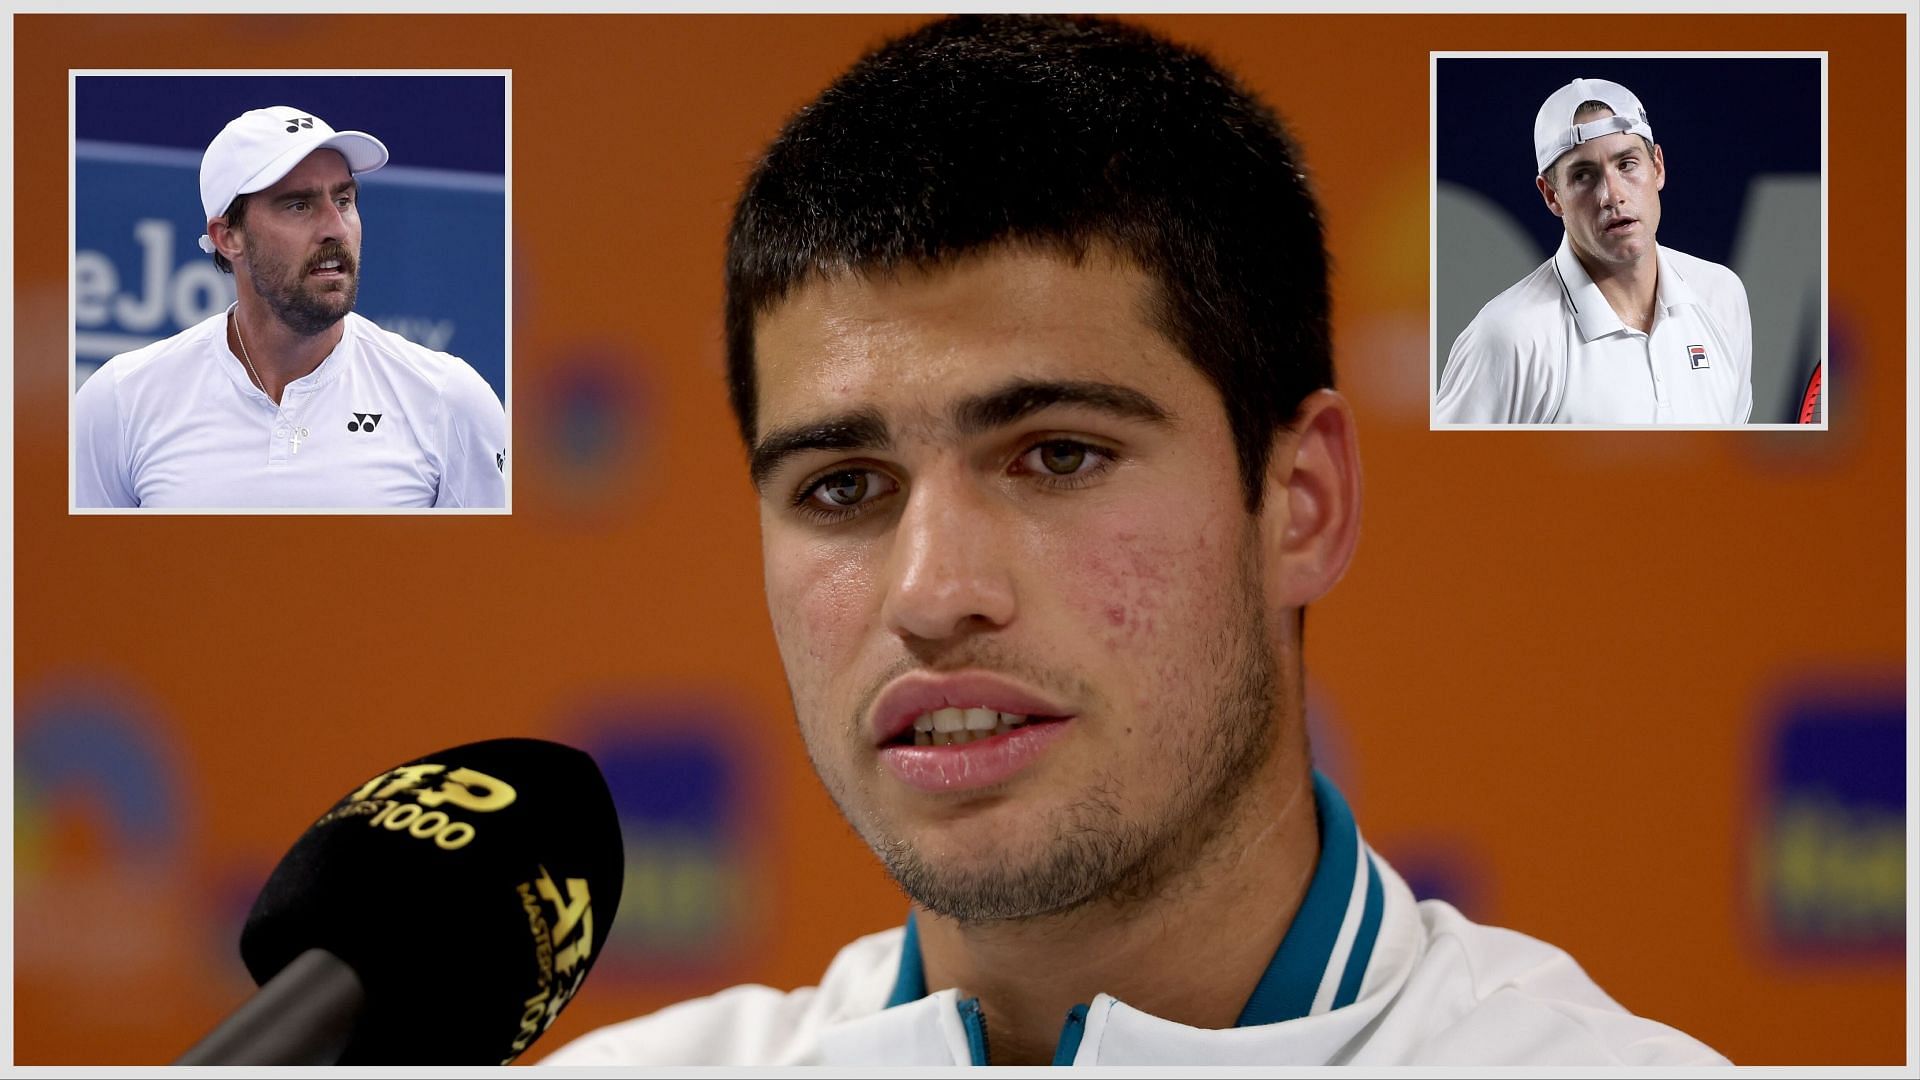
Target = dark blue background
(437,121)
(1719,122)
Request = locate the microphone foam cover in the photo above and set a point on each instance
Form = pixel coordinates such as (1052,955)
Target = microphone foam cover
(471,890)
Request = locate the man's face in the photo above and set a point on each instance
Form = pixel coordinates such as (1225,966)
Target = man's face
(1607,191)
(302,243)
(994,488)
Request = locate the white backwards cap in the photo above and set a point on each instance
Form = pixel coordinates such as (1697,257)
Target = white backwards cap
(1555,133)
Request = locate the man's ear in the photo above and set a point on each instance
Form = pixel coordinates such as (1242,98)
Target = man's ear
(1659,169)
(225,238)
(1547,193)
(1310,517)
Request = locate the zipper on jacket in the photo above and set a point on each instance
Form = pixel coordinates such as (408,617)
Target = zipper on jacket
(975,1021)
(1069,1045)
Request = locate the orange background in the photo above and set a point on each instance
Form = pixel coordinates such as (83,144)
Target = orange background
(1554,648)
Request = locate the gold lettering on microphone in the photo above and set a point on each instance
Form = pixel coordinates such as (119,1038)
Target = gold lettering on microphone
(399,780)
(573,917)
(470,790)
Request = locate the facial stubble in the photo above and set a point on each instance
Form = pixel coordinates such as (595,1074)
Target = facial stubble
(290,298)
(1092,853)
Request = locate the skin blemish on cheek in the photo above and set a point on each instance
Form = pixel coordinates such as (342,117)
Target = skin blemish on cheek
(1116,616)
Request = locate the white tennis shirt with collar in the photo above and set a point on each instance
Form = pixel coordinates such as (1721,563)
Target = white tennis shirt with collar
(1551,350)
(381,423)
(1364,976)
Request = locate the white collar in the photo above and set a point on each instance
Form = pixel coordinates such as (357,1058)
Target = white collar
(1592,313)
(1314,998)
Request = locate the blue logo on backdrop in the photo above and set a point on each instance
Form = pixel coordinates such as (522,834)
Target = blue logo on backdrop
(432,265)
(594,424)
(1830,867)
(93,752)
(681,784)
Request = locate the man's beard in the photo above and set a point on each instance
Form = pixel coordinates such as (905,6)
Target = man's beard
(303,310)
(1094,854)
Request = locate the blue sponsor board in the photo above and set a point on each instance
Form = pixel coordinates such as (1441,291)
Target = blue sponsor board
(682,785)
(1830,870)
(432,262)
(433,265)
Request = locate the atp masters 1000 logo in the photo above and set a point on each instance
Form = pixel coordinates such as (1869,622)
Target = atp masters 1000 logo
(380,799)
(560,947)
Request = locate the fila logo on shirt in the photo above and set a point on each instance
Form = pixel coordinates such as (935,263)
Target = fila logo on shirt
(364,421)
(299,122)
(1697,356)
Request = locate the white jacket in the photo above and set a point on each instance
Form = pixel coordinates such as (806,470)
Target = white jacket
(1365,976)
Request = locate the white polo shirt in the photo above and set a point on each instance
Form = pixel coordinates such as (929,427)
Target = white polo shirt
(1550,350)
(1364,976)
(382,422)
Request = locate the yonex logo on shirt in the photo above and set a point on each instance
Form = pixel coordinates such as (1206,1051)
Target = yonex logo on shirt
(299,122)
(363,421)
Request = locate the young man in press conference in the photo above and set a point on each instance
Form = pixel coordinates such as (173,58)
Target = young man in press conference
(1028,331)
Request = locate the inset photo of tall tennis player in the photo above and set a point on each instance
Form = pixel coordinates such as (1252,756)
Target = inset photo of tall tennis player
(1629,241)
(289,292)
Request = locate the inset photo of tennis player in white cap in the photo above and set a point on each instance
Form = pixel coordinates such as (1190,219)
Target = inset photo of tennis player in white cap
(275,392)
(1615,277)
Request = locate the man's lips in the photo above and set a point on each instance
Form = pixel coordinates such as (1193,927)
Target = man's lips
(973,766)
(917,693)
(1621,224)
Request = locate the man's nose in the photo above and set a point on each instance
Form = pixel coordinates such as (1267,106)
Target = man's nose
(1610,188)
(948,570)
(332,222)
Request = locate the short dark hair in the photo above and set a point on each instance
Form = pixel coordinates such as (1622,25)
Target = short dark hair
(978,131)
(236,216)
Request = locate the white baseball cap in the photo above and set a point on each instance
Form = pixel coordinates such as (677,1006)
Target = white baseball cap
(1555,133)
(257,148)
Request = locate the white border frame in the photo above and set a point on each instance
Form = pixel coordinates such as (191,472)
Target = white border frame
(506,269)
(1433,233)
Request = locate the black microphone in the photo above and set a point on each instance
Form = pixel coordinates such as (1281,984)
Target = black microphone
(442,913)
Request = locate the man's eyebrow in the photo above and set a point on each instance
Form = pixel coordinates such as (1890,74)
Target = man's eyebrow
(1625,152)
(1022,398)
(308,194)
(862,429)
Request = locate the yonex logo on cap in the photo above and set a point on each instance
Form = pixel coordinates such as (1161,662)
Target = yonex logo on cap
(364,421)
(249,155)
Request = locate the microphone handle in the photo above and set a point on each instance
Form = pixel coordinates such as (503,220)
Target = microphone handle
(302,1016)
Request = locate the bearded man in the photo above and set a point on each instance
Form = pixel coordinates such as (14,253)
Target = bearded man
(288,398)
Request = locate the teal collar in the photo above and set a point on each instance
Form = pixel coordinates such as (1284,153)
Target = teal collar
(1310,973)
